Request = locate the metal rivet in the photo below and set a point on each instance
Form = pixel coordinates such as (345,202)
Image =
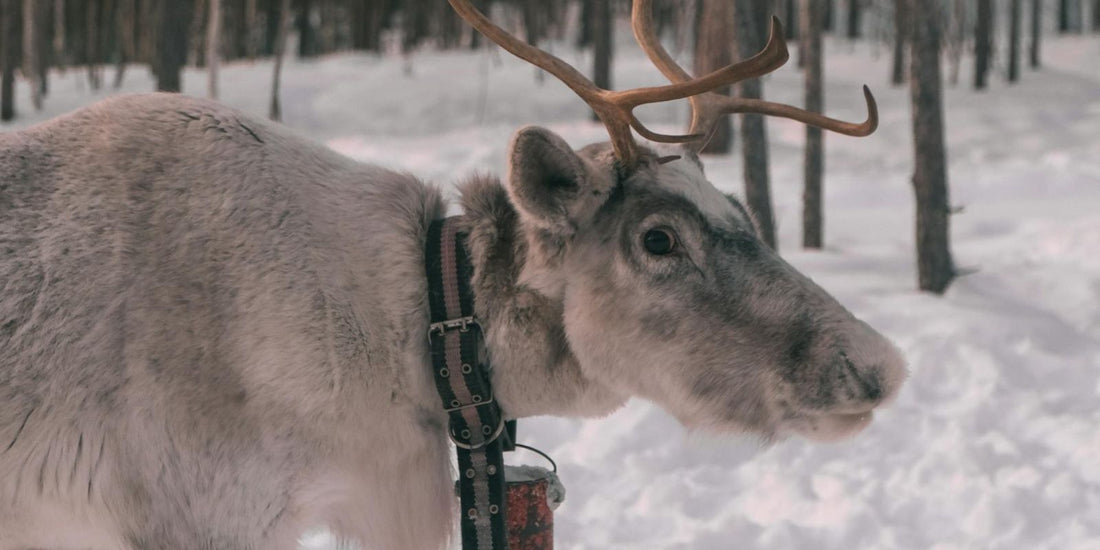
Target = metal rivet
(444,372)
(455,403)
(493,508)
(466,368)
(492,469)
(477,399)
(470,473)
(465,434)
(472,513)
(486,430)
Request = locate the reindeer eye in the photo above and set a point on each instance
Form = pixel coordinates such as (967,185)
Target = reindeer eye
(659,241)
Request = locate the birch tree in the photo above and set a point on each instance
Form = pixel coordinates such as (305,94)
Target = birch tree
(275,113)
(31,72)
(213,39)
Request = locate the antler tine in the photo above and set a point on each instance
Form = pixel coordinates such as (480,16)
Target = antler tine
(731,105)
(708,107)
(615,109)
(615,113)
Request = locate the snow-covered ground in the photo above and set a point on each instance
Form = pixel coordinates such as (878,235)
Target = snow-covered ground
(995,440)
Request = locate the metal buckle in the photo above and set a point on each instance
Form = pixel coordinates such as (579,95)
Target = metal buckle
(462,324)
(472,447)
(469,405)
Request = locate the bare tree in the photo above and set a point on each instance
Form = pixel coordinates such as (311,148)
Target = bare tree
(92,53)
(1036,32)
(59,33)
(855,18)
(751,18)
(275,113)
(901,29)
(983,42)
(31,16)
(602,29)
(1014,41)
(9,56)
(788,13)
(935,268)
(127,27)
(956,38)
(173,21)
(307,34)
(213,40)
(812,212)
(713,50)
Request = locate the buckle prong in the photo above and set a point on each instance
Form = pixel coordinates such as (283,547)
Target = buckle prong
(462,324)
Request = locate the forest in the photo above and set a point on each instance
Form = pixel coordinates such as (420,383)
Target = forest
(105,38)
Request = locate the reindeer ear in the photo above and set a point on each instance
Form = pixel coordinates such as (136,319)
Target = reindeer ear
(550,184)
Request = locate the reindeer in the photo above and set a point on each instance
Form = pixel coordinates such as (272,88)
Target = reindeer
(212,333)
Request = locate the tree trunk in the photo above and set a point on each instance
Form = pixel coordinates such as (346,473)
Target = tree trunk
(43,45)
(1036,32)
(790,22)
(935,268)
(251,21)
(602,38)
(127,12)
(714,42)
(1014,41)
(983,42)
(9,56)
(307,35)
(855,18)
(812,211)
(173,22)
(1095,15)
(272,28)
(91,48)
(750,18)
(367,22)
(213,41)
(956,40)
(1063,16)
(830,13)
(901,29)
(60,59)
(196,35)
(275,112)
(31,16)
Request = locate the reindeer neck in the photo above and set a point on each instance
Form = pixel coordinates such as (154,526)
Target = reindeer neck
(520,306)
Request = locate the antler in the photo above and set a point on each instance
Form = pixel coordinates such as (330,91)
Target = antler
(707,108)
(616,108)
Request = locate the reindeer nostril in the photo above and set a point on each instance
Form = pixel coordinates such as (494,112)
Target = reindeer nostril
(873,389)
(869,382)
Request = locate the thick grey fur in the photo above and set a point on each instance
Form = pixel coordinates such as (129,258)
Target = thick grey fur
(212,332)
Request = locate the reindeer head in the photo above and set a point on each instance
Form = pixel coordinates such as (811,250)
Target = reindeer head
(668,293)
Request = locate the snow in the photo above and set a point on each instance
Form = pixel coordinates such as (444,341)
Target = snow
(995,440)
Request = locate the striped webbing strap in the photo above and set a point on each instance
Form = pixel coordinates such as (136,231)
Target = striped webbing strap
(476,421)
